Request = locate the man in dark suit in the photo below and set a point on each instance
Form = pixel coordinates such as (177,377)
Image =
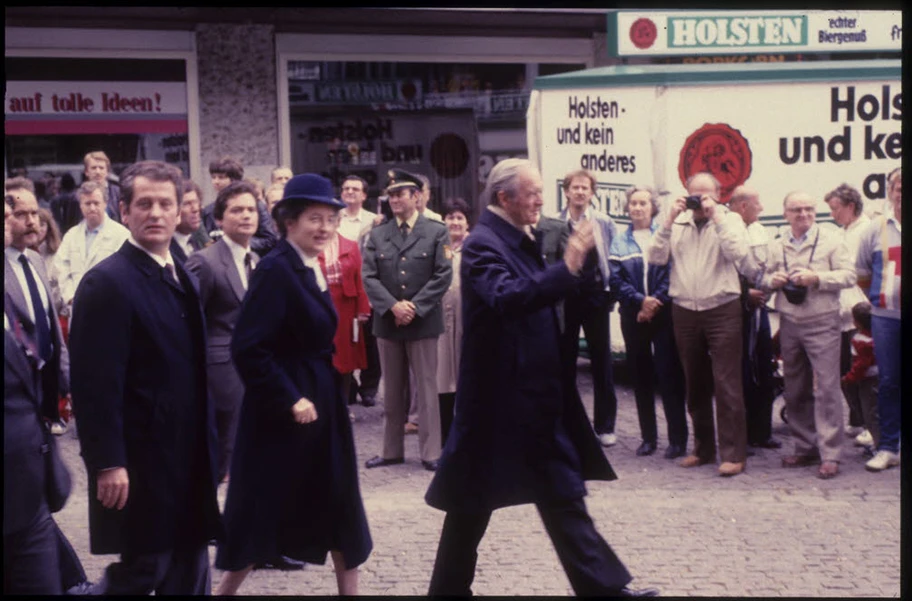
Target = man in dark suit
(147,428)
(406,273)
(190,235)
(520,434)
(223,271)
(224,171)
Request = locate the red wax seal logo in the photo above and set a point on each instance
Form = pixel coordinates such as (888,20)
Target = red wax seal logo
(643,33)
(719,149)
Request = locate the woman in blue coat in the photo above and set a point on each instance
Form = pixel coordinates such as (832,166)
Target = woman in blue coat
(294,479)
(645,311)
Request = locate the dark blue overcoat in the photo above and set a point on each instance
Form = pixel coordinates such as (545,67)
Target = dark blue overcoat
(520,433)
(294,487)
(138,379)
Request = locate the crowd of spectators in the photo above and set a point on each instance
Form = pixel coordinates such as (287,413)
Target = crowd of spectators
(306,297)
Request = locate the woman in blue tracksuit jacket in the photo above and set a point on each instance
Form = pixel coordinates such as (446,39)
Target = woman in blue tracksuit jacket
(645,310)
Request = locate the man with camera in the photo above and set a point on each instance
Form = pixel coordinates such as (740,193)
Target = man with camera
(809,266)
(705,243)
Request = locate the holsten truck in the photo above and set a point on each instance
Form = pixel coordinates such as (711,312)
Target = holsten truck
(776,127)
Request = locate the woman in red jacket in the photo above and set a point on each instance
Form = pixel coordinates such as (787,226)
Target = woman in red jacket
(341,264)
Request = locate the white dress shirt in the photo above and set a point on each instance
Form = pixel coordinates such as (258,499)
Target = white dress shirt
(183,240)
(12,257)
(238,253)
(313,263)
(166,261)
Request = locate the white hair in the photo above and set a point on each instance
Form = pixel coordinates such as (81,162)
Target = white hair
(504,176)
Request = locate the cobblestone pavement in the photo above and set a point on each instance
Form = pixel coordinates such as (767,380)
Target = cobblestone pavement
(768,532)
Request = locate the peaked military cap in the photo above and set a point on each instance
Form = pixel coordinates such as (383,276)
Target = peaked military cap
(400,178)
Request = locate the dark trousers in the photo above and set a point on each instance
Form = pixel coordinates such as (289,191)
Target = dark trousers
(226,425)
(709,343)
(174,572)
(757,376)
(447,405)
(370,376)
(856,416)
(31,563)
(594,320)
(590,564)
(653,361)
(71,570)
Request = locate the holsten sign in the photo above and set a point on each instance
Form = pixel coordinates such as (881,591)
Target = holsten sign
(774,127)
(654,33)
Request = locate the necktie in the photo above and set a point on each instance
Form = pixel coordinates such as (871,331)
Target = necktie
(403,229)
(248,266)
(42,328)
(171,275)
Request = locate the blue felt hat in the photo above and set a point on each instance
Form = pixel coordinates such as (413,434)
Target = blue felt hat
(311,187)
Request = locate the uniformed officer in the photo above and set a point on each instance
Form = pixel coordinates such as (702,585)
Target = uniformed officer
(406,273)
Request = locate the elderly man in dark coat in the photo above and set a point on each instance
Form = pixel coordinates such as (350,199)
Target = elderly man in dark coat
(520,433)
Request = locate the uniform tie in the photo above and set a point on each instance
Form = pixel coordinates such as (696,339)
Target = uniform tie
(404,229)
(42,328)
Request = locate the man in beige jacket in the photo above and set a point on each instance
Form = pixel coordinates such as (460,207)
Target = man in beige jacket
(810,266)
(705,244)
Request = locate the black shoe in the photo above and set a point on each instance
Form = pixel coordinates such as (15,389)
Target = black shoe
(285,564)
(647,448)
(368,400)
(378,461)
(769,443)
(674,451)
(430,466)
(632,592)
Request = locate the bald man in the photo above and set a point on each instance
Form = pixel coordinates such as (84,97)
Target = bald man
(817,264)
(705,246)
(757,361)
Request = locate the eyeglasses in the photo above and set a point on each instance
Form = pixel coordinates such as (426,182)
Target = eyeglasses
(801,210)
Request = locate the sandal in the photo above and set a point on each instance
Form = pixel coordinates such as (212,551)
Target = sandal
(828,469)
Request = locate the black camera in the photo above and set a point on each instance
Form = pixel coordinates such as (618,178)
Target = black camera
(794,293)
(693,202)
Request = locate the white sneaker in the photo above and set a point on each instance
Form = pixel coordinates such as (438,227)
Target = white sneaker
(882,460)
(608,440)
(58,428)
(864,439)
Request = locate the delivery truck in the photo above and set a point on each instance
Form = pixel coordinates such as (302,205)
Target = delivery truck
(776,127)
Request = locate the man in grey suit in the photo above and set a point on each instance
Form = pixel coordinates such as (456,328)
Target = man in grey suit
(31,562)
(26,283)
(591,312)
(223,270)
(406,273)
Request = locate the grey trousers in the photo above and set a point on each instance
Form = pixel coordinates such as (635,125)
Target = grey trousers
(396,356)
(813,393)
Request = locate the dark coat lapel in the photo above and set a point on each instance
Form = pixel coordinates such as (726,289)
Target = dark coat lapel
(231,272)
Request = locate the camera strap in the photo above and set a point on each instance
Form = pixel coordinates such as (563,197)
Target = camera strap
(810,260)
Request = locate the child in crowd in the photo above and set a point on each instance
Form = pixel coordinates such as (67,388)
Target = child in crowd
(861,380)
